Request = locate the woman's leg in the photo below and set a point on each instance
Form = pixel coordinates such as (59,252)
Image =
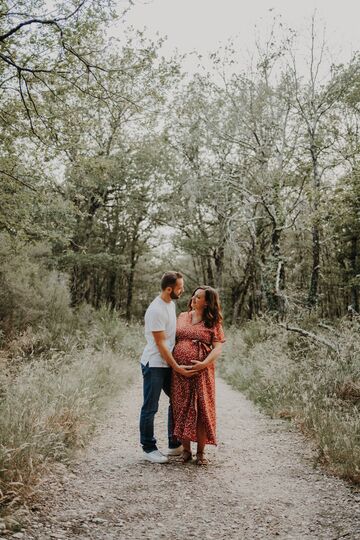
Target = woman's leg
(186,455)
(186,444)
(201,437)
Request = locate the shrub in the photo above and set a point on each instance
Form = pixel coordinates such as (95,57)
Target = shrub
(30,292)
(293,377)
(51,407)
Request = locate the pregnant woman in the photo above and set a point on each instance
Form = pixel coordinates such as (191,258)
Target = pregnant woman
(199,338)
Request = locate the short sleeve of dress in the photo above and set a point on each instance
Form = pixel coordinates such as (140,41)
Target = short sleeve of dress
(219,333)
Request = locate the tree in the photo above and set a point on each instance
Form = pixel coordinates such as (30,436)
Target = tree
(315,103)
(40,48)
(43,54)
(111,145)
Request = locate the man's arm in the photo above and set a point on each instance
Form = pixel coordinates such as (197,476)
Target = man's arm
(160,340)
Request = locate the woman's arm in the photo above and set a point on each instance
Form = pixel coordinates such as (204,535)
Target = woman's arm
(210,359)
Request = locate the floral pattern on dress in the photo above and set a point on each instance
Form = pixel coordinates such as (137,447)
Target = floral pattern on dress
(193,399)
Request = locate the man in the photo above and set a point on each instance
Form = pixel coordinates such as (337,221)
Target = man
(156,364)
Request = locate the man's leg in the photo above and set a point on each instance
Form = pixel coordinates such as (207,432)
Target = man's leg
(173,442)
(152,385)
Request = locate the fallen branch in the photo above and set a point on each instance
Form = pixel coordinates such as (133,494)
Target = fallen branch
(330,328)
(278,275)
(352,312)
(310,335)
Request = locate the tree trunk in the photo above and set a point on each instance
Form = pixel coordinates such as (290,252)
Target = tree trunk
(203,270)
(316,249)
(354,287)
(131,275)
(130,290)
(195,265)
(111,289)
(314,281)
(78,284)
(239,303)
(239,293)
(275,275)
(219,265)
(209,273)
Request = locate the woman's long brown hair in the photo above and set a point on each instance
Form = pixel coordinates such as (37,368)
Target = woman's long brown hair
(212,311)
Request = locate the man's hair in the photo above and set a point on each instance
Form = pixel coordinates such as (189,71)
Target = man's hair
(169,279)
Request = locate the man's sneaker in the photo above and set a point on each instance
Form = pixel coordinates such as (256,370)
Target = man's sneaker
(175,451)
(155,457)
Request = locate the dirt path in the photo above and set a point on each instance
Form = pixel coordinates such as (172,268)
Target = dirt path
(260,485)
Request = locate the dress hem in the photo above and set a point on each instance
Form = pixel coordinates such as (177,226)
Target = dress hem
(208,441)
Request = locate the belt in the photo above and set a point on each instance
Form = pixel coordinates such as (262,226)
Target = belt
(203,349)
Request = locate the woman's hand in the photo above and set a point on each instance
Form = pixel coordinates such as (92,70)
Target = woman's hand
(186,371)
(197,365)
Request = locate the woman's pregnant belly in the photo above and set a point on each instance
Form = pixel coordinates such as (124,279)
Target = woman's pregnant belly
(185,351)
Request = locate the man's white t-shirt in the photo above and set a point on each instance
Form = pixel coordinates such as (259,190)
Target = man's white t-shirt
(159,316)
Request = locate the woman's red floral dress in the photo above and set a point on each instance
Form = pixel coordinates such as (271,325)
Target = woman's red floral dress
(193,399)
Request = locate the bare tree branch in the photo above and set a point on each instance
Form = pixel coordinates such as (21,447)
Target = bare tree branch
(19,180)
(55,22)
(310,335)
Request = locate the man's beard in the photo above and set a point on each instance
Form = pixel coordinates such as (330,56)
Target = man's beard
(174,296)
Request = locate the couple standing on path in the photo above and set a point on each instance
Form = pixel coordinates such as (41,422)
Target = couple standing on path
(179,358)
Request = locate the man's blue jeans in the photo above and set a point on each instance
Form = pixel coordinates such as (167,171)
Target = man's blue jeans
(155,379)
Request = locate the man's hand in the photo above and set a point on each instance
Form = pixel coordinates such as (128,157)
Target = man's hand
(160,340)
(187,371)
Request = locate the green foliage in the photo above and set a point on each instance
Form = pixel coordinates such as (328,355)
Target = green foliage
(39,63)
(345,224)
(30,292)
(111,171)
(50,407)
(294,378)
(106,331)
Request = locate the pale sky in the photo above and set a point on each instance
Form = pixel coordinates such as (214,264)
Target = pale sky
(203,25)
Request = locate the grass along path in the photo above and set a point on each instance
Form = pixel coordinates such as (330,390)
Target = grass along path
(260,485)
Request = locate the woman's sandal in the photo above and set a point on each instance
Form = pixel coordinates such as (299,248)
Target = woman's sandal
(201,459)
(186,456)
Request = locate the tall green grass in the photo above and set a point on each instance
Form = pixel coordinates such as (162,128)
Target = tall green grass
(59,367)
(51,399)
(293,377)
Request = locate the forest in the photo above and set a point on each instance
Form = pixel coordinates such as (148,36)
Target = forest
(116,165)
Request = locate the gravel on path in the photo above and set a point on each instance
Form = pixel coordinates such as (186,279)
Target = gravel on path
(261,484)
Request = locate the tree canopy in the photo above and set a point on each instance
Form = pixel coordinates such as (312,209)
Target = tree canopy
(245,180)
